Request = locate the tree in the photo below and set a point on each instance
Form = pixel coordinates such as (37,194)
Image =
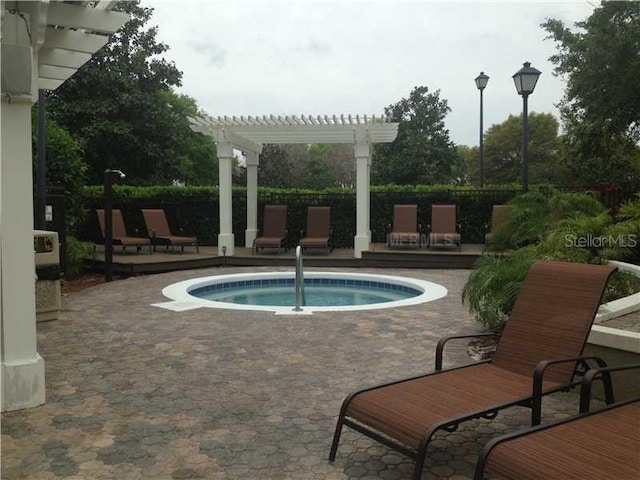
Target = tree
(601,106)
(422,153)
(121,107)
(275,167)
(64,167)
(503,151)
(331,165)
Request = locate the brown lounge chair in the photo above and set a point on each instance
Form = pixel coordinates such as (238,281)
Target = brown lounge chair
(274,228)
(160,233)
(443,228)
(318,233)
(405,226)
(500,216)
(119,232)
(588,446)
(551,319)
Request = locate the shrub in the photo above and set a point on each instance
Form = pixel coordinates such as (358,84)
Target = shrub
(75,254)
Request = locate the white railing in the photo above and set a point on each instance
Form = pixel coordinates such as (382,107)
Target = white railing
(301,301)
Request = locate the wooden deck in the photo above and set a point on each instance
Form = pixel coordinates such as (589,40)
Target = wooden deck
(380,256)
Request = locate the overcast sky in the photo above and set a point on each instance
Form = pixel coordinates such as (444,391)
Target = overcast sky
(357,57)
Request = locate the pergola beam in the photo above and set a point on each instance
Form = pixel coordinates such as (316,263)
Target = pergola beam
(90,19)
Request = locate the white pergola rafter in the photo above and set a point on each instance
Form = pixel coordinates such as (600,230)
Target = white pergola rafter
(63,35)
(249,133)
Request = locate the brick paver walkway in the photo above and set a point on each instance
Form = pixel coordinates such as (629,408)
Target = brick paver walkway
(134,391)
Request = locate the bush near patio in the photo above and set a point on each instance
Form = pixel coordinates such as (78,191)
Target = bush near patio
(195,209)
(551,225)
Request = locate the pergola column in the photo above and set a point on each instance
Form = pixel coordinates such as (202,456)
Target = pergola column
(226,238)
(251,232)
(22,367)
(362,150)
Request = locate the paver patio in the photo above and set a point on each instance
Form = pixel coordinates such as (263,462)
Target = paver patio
(134,391)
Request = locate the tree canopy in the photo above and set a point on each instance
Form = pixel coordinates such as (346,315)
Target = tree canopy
(120,106)
(503,151)
(423,152)
(600,60)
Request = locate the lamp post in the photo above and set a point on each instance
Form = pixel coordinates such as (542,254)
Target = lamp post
(481,82)
(525,80)
(108,221)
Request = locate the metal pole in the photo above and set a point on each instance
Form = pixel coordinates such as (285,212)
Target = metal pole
(481,144)
(525,144)
(41,178)
(108,225)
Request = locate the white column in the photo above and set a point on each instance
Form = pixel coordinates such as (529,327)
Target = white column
(23,383)
(251,232)
(225,165)
(363,159)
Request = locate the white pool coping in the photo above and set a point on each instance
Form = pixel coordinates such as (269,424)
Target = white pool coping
(614,337)
(182,300)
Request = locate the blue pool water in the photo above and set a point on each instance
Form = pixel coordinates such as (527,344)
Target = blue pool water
(318,292)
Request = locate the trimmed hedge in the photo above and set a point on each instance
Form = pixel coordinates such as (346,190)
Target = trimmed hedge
(195,209)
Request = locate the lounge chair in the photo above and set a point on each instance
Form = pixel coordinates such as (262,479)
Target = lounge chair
(591,445)
(551,319)
(274,228)
(318,233)
(119,232)
(160,233)
(405,226)
(499,218)
(443,228)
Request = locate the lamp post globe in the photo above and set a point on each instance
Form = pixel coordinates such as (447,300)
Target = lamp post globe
(525,81)
(481,82)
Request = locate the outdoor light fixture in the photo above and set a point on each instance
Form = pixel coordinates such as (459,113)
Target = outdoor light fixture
(525,80)
(108,221)
(481,82)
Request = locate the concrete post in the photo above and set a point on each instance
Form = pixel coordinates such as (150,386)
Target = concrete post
(23,383)
(251,232)
(226,238)
(362,152)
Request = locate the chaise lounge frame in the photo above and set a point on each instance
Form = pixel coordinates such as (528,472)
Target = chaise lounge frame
(529,363)
(274,229)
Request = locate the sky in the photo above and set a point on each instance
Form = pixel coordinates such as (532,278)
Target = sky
(331,57)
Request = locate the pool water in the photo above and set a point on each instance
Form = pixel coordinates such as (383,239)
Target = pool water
(315,295)
(324,291)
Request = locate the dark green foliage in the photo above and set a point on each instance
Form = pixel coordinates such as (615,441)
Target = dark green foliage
(601,108)
(423,152)
(503,150)
(64,167)
(120,105)
(550,225)
(195,209)
(75,254)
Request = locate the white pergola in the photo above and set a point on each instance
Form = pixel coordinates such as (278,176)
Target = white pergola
(250,133)
(43,44)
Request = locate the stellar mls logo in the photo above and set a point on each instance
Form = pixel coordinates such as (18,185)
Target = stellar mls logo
(601,241)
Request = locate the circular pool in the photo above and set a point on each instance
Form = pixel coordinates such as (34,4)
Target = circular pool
(324,292)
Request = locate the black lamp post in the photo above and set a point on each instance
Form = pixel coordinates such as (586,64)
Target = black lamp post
(108,221)
(525,80)
(481,83)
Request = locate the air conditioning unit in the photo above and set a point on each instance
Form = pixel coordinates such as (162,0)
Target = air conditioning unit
(46,248)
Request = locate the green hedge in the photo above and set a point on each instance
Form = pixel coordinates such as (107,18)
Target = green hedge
(195,209)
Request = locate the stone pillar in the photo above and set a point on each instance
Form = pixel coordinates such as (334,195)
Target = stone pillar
(251,232)
(226,238)
(362,152)
(23,382)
